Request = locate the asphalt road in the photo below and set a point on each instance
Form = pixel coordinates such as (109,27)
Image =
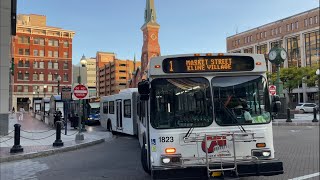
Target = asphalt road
(119,159)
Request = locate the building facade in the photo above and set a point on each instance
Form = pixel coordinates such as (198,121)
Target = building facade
(114,76)
(297,34)
(41,54)
(150,47)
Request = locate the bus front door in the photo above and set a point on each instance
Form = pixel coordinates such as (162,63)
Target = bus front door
(119,114)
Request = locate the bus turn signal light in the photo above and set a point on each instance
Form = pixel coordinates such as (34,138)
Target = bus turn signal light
(170,150)
(157,66)
(258,63)
(260,145)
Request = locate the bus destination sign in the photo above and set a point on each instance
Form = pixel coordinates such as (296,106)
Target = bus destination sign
(195,64)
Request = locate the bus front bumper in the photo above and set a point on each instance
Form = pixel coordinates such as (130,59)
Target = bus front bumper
(244,169)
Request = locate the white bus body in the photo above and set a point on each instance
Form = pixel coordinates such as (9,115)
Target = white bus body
(188,124)
(118,112)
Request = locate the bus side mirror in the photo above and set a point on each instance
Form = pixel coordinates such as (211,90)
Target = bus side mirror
(276,104)
(144,90)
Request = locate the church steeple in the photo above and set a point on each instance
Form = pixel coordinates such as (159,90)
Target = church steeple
(150,12)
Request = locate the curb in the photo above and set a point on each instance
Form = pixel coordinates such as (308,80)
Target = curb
(295,124)
(50,151)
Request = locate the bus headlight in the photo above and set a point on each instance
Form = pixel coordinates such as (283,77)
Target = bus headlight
(261,153)
(166,160)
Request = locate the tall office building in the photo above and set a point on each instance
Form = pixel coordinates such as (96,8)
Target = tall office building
(298,34)
(41,54)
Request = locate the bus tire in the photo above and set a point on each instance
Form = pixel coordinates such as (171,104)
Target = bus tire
(144,160)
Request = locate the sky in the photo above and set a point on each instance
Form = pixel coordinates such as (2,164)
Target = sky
(186,26)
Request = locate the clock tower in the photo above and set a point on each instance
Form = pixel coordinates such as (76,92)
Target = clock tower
(150,29)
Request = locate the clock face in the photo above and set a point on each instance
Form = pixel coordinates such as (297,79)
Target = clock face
(153,36)
(283,54)
(272,55)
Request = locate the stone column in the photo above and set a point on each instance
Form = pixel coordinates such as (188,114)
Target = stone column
(5,57)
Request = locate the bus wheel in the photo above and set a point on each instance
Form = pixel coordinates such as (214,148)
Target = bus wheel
(144,160)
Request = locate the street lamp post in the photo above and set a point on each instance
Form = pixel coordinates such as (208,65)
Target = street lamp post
(59,79)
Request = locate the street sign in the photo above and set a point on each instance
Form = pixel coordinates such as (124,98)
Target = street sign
(66,93)
(80,91)
(272,90)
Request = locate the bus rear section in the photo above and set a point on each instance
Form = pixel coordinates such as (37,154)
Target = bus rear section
(211,126)
(118,112)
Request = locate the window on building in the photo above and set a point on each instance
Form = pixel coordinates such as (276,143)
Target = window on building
(41,53)
(27,63)
(65,44)
(35,88)
(49,77)
(20,76)
(122,78)
(65,77)
(35,52)
(19,88)
(238,41)
(272,32)
(26,76)
(263,49)
(25,88)
(56,43)
(292,26)
(248,50)
(288,27)
(24,40)
(38,41)
(111,107)
(49,89)
(50,42)
(316,19)
(310,21)
(20,63)
(293,51)
(41,64)
(35,64)
(276,31)
(297,25)
(122,71)
(56,54)
(35,77)
(55,89)
(65,65)
(55,65)
(65,54)
(245,40)
(279,29)
(123,65)
(21,52)
(49,65)
(312,46)
(265,34)
(41,77)
(251,39)
(27,52)
(50,54)
(305,22)
(260,34)
(127,108)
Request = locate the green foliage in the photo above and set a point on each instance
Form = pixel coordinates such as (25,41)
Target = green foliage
(292,77)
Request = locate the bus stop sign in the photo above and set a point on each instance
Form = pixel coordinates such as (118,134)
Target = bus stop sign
(80,91)
(272,90)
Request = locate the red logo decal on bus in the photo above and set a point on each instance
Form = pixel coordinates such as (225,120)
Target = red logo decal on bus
(215,141)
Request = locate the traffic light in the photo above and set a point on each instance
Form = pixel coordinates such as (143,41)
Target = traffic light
(12,66)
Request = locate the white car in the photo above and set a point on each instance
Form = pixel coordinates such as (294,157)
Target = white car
(306,107)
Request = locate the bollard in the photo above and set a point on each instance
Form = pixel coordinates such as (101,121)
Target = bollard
(288,115)
(58,141)
(16,147)
(314,115)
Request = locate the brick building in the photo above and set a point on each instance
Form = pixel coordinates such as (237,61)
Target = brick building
(298,34)
(41,54)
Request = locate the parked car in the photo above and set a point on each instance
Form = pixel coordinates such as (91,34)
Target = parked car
(306,107)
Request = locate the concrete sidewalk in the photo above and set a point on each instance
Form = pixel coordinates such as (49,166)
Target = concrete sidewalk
(37,139)
(298,120)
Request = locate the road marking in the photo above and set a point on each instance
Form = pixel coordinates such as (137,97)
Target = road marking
(306,176)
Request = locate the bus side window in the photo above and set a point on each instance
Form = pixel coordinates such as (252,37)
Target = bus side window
(105,108)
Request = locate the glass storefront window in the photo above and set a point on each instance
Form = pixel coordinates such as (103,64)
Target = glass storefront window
(312,44)
(293,51)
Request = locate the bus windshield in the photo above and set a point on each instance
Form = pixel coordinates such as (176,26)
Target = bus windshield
(180,103)
(241,100)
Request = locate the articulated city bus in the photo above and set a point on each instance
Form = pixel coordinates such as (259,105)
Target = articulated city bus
(118,112)
(207,115)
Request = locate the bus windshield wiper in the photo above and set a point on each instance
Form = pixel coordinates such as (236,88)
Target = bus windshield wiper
(233,117)
(190,130)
